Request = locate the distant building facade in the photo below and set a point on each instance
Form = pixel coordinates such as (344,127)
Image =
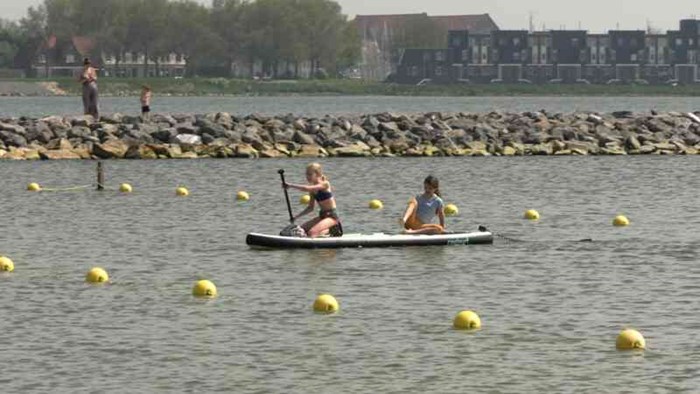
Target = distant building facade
(558,56)
(65,59)
(378,36)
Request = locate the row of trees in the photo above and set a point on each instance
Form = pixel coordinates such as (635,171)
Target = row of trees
(267,32)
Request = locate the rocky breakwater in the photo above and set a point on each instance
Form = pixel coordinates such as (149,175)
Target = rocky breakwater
(222,135)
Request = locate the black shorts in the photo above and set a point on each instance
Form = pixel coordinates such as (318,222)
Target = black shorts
(145,109)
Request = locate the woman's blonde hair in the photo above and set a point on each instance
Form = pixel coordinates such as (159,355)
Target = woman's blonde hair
(316,167)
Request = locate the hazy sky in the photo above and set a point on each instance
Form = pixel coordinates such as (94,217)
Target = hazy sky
(593,15)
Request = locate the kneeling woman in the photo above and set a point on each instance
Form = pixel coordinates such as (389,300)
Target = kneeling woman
(321,192)
(423,209)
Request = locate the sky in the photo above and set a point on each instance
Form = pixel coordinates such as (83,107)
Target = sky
(592,15)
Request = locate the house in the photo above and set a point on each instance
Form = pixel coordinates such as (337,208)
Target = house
(64,58)
(510,52)
(378,33)
(560,56)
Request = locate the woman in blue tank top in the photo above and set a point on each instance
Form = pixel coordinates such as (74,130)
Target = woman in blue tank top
(422,210)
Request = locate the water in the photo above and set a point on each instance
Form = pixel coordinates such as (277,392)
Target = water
(319,106)
(551,306)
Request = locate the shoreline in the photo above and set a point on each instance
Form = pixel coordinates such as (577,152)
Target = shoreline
(221,87)
(221,135)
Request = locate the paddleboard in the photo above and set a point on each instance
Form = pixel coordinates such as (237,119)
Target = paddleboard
(378,240)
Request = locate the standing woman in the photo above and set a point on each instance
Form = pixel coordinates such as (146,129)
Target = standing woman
(89,81)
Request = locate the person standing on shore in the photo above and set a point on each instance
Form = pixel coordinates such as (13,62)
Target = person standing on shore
(88,79)
(146,95)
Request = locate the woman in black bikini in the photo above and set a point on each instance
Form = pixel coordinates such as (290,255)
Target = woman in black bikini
(321,192)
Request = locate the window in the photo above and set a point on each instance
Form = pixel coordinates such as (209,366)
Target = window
(465,55)
(691,42)
(439,71)
(413,71)
(633,57)
(679,42)
(70,59)
(516,56)
(574,42)
(439,56)
(502,42)
(516,41)
(620,42)
(456,42)
(426,57)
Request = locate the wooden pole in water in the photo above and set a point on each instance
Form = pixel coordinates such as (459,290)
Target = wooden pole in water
(100,177)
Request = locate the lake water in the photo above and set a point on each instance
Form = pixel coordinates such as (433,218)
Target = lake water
(319,106)
(551,307)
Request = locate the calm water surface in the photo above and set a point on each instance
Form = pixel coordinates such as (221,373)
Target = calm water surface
(345,105)
(551,307)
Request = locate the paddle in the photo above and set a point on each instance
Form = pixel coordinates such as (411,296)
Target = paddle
(286,196)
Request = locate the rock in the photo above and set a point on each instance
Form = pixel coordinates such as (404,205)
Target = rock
(186,128)
(40,132)
(358,149)
(303,139)
(13,128)
(60,144)
(165,135)
(80,132)
(632,143)
(61,154)
(112,118)
(114,149)
(272,154)
(246,151)
(173,151)
(311,151)
(31,154)
(188,139)
(12,139)
(188,155)
(83,120)
(541,149)
(140,152)
(509,151)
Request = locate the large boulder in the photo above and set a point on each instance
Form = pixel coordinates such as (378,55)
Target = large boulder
(61,154)
(113,149)
(303,138)
(12,139)
(311,151)
(358,149)
(140,152)
(188,139)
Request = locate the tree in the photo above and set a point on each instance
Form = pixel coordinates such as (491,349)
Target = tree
(226,17)
(189,33)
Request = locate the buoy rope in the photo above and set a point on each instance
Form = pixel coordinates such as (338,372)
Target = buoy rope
(67,189)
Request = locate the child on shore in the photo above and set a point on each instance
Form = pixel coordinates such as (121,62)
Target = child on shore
(423,209)
(146,95)
(328,221)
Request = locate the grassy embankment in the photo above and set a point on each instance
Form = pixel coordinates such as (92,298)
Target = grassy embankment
(221,86)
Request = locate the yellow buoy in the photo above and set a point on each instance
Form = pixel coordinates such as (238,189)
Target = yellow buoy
(467,320)
(6,265)
(204,288)
(242,196)
(34,187)
(451,210)
(125,188)
(531,214)
(326,303)
(630,340)
(376,204)
(97,275)
(182,191)
(621,221)
(305,199)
